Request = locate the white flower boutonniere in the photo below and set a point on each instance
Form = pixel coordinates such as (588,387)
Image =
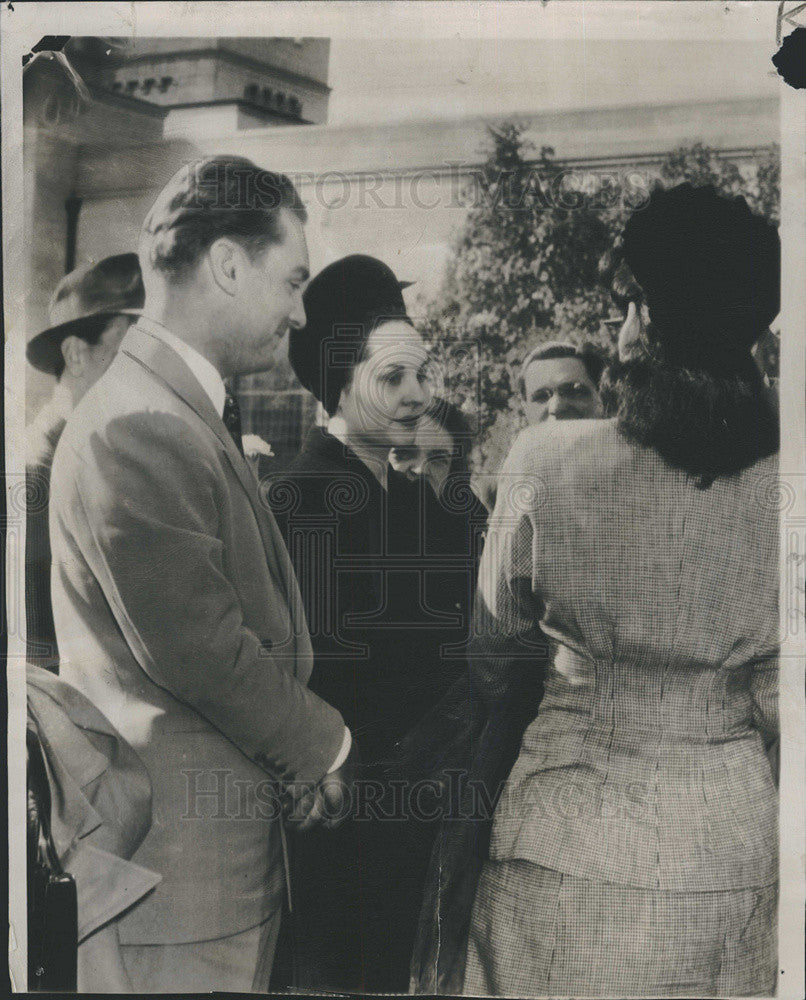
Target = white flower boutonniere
(254,445)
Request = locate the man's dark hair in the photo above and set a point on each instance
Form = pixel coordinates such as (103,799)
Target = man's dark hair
(223,196)
(590,356)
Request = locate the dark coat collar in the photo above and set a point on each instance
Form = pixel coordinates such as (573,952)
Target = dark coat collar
(322,451)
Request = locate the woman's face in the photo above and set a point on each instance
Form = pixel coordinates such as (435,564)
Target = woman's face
(389,389)
(430,455)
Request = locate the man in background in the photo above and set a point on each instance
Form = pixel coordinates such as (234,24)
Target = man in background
(90,311)
(560,381)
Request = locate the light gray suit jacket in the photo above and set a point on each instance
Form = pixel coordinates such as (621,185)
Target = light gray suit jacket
(645,765)
(177,613)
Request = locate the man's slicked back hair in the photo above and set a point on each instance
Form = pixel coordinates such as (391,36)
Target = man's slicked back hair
(592,359)
(221,196)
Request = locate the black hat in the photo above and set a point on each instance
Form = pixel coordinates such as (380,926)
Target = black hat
(709,270)
(343,304)
(112,287)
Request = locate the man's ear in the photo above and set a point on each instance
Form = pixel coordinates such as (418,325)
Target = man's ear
(223,260)
(74,352)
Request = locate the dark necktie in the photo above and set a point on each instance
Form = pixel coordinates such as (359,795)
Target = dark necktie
(232,420)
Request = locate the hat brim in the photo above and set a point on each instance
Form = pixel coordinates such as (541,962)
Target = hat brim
(44,351)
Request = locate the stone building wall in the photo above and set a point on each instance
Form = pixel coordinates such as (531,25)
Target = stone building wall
(285,77)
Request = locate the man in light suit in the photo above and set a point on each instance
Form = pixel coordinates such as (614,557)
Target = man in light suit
(177,612)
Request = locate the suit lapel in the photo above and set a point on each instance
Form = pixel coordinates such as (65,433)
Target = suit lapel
(273,543)
(166,365)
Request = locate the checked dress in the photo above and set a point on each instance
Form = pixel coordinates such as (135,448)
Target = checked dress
(634,848)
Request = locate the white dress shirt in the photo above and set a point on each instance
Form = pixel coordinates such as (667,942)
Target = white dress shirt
(210,380)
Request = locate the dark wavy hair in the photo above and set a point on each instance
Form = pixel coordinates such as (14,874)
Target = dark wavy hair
(457,424)
(709,273)
(616,275)
(707,424)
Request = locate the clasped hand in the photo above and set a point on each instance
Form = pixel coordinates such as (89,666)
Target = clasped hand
(327,803)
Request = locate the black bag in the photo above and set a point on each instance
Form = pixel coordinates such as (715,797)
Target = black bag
(52,901)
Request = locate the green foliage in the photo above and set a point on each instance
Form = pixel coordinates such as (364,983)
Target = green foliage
(526,266)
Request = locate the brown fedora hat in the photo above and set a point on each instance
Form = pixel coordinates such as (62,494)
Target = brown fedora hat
(112,287)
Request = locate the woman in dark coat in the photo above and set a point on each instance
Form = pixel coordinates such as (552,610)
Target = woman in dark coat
(386,571)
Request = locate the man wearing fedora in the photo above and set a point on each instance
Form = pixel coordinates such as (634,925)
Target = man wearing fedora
(90,311)
(176,607)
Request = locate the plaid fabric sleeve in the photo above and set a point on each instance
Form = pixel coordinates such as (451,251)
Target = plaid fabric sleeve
(506,639)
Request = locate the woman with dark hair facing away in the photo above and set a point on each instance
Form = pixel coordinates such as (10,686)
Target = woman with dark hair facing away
(634,848)
(383,568)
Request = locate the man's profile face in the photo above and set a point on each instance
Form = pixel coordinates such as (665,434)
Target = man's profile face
(559,389)
(270,297)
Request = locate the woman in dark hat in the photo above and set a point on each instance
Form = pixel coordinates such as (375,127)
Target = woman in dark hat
(385,571)
(634,848)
